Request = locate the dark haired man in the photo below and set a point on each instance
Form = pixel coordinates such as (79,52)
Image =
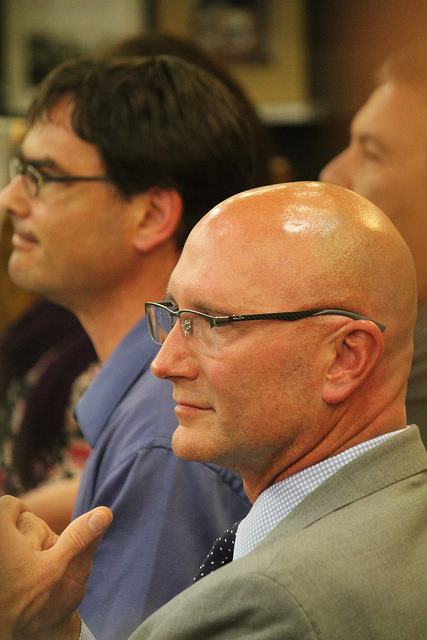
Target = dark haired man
(121,158)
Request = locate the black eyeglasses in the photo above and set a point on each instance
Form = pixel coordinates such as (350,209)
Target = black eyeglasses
(199,328)
(34,179)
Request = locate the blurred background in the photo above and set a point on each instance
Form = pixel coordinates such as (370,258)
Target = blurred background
(307,65)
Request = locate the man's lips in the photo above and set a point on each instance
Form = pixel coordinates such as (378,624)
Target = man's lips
(23,239)
(187,409)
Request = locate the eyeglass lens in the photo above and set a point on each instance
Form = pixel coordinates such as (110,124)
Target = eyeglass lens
(198,333)
(30,176)
(160,323)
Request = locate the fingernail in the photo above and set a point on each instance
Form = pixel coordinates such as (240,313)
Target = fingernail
(97,523)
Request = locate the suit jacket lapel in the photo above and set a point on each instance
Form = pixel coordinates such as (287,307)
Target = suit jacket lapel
(401,456)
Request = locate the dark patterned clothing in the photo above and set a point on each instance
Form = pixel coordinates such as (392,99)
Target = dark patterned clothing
(46,362)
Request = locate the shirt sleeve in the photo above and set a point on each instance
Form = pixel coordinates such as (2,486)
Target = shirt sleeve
(166,514)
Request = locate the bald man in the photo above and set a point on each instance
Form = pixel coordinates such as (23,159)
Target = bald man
(287,334)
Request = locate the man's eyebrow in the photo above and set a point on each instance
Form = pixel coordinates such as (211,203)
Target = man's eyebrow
(197,306)
(212,311)
(370,138)
(38,163)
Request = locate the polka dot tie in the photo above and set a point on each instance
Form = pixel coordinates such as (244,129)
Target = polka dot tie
(220,554)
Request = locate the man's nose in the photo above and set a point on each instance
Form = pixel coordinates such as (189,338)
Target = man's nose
(175,359)
(13,199)
(335,171)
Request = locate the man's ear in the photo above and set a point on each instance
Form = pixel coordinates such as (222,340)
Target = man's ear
(357,348)
(158,215)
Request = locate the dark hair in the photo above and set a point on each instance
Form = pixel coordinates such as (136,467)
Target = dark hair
(157,121)
(155,43)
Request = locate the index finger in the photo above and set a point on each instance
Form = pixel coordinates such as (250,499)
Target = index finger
(11,508)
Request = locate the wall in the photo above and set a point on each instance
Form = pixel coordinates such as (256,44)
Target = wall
(281,82)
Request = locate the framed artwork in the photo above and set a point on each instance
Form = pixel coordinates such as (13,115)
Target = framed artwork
(235,30)
(39,34)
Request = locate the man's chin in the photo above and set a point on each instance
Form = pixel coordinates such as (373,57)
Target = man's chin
(188,445)
(198,447)
(26,276)
(21,271)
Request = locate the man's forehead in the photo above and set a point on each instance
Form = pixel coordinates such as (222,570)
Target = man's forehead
(187,279)
(391,110)
(50,130)
(221,278)
(54,140)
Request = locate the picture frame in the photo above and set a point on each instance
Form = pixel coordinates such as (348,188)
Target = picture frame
(235,30)
(39,34)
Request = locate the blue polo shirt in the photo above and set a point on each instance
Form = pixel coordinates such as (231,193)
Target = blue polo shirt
(166,511)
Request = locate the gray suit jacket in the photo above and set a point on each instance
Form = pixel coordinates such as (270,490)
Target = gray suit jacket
(350,562)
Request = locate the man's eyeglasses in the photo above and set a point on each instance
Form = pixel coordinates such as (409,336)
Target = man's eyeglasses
(34,179)
(199,329)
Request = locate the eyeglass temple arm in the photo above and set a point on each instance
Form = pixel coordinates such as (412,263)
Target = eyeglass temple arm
(348,314)
(292,316)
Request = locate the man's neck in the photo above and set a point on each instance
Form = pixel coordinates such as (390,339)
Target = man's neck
(109,318)
(109,326)
(109,312)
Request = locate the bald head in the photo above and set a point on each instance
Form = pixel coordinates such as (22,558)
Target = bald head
(274,396)
(314,244)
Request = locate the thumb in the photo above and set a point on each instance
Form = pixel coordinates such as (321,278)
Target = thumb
(83,533)
(67,565)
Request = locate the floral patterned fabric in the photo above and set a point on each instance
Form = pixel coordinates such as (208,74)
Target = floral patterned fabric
(46,362)
(67,458)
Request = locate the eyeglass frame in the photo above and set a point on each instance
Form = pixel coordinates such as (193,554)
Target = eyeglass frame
(18,167)
(217,321)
